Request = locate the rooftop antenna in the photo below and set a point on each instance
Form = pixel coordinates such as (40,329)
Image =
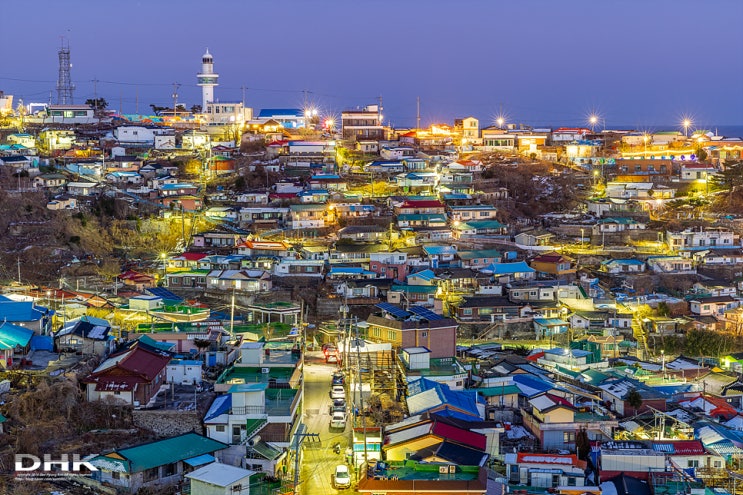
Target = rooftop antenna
(64,81)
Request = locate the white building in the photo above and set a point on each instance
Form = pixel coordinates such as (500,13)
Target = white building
(184,371)
(702,238)
(220,479)
(136,135)
(70,114)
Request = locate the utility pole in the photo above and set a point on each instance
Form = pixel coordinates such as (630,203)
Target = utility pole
(418,113)
(232,312)
(19,271)
(243,88)
(299,437)
(95,94)
(361,390)
(175,97)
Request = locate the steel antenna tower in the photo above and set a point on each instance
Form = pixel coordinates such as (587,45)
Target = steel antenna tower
(64,81)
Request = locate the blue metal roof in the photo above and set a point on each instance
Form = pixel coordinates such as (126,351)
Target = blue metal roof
(20,311)
(267,113)
(164,294)
(510,268)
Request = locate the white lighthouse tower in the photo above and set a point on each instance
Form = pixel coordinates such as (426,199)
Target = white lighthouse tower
(207,80)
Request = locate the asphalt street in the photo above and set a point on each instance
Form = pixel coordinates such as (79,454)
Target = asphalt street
(319,459)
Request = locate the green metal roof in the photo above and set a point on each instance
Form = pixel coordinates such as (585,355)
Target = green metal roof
(498,391)
(159,453)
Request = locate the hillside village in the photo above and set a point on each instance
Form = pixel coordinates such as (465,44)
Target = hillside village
(243,301)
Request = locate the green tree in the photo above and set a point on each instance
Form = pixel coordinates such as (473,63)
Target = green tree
(730,177)
(634,399)
(701,154)
(97,103)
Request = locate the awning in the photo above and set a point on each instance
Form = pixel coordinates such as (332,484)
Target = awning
(200,460)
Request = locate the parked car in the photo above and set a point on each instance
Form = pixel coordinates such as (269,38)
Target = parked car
(338,379)
(342,477)
(338,420)
(337,392)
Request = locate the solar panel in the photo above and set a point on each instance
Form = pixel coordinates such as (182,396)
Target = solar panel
(395,311)
(425,313)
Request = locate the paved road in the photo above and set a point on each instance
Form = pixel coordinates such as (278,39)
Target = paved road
(319,459)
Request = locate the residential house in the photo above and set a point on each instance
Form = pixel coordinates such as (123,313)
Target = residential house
(614,225)
(709,238)
(363,233)
(255,249)
(299,268)
(474,212)
(648,170)
(542,291)
(619,266)
(86,335)
(392,265)
(25,313)
(671,265)
(555,422)
(615,392)
(62,202)
(510,271)
(413,328)
(220,479)
(479,258)
(307,216)
(697,171)
(363,125)
(548,327)
(49,181)
(133,375)
(251,281)
(534,238)
(468,129)
(488,308)
(156,465)
(713,306)
(217,239)
(420,206)
(545,470)
(15,343)
(554,264)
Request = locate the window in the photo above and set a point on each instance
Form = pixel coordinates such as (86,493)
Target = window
(466,311)
(568,437)
(115,475)
(693,463)
(170,469)
(718,464)
(151,474)
(424,335)
(220,428)
(237,488)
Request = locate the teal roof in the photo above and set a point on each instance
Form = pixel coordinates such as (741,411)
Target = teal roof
(436,217)
(498,391)
(13,335)
(163,346)
(158,453)
(485,224)
(248,387)
(424,275)
(416,289)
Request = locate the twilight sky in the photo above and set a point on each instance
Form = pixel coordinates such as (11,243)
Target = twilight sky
(638,63)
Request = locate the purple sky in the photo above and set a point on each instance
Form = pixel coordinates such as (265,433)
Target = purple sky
(634,62)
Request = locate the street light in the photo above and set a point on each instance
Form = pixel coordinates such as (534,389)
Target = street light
(163,256)
(593,119)
(500,122)
(686,123)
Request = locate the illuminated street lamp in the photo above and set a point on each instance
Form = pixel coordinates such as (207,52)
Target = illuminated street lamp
(593,120)
(163,256)
(686,124)
(500,121)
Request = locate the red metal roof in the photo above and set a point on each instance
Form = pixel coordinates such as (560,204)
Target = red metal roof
(192,256)
(561,459)
(135,363)
(686,447)
(459,435)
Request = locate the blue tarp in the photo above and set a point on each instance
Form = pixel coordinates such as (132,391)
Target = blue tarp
(42,343)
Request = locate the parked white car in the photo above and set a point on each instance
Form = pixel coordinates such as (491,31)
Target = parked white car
(337,392)
(342,477)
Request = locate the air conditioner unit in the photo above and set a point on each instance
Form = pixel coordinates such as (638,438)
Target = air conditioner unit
(265,370)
